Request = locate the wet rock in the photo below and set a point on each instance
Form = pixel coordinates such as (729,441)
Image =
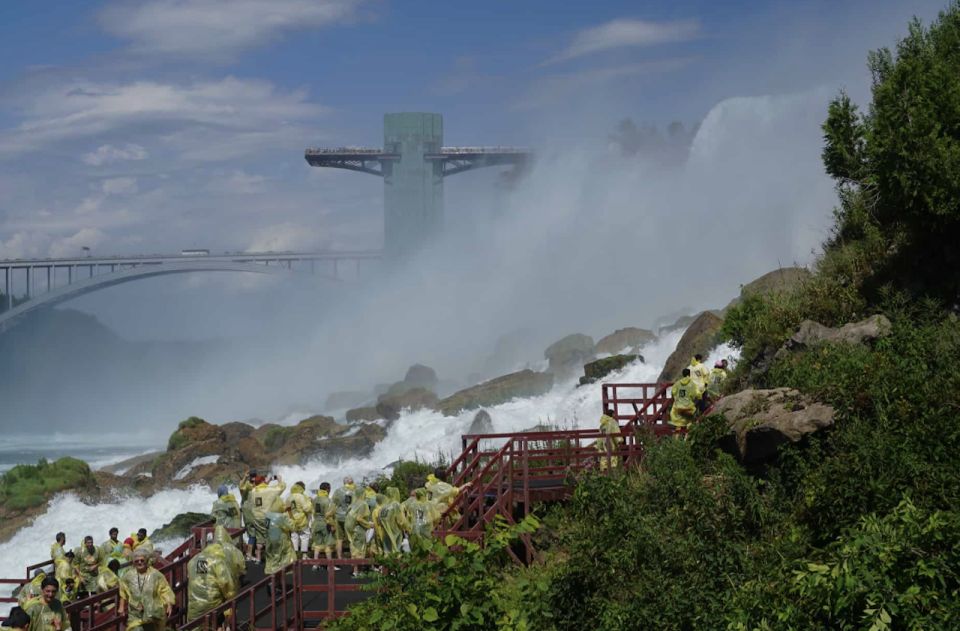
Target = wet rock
(358,442)
(700,337)
(600,368)
(420,376)
(525,383)
(628,339)
(345,399)
(482,423)
(194,439)
(761,420)
(363,414)
(179,527)
(569,354)
(811,333)
(390,405)
(782,280)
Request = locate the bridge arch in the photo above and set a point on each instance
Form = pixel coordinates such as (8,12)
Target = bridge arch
(140,272)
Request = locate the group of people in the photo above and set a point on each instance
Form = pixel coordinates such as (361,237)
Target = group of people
(696,388)
(365,520)
(145,596)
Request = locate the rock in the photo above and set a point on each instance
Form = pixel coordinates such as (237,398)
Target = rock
(125,466)
(700,337)
(420,376)
(193,430)
(193,439)
(811,333)
(357,443)
(762,420)
(482,423)
(363,414)
(600,368)
(390,405)
(345,399)
(180,527)
(289,445)
(237,431)
(780,280)
(570,353)
(525,383)
(628,339)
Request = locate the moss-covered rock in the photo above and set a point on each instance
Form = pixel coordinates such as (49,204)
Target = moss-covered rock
(389,405)
(525,383)
(600,368)
(628,339)
(192,430)
(363,414)
(25,486)
(179,527)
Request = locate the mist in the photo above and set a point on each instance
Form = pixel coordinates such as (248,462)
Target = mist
(590,240)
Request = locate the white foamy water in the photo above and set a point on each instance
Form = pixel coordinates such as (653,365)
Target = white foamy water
(419,435)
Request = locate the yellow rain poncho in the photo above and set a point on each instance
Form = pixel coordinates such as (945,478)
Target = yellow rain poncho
(87,563)
(423,516)
(47,616)
(699,372)
(265,499)
(440,491)
(279,548)
(30,590)
(145,596)
(343,500)
(390,520)
(235,559)
(226,511)
(356,525)
(111,549)
(715,383)
(685,395)
(300,508)
(106,580)
(609,443)
(211,581)
(323,532)
(57,551)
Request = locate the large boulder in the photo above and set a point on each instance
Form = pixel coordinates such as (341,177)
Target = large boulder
(368,413)
(569,353)
(295,444)
(760,421)
(179,527)
(194,443)
(629,339)
(525,383)
(482,423)
(358,442)
(600,368)
(811,333)
(390,405)
(700,337)
(782,280)
(420,376)
(343,399)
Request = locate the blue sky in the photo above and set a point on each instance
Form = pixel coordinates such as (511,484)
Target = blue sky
(154,125)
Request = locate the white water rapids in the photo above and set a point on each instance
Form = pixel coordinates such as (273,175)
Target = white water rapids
(419,435)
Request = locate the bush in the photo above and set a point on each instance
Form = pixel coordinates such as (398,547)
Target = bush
(26,486)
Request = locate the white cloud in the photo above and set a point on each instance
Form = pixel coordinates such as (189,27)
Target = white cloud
(217,28)
(626,32)
(74,244)
(24,244)
(120,186)
(285,237)
(238,183)
(81,110)
(106,154)
(552,89)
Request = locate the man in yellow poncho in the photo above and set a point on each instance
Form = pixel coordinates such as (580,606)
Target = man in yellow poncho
(685,395)
(87,561)
(423,516)
(210,582)
(238,566)
(46,611)
(279,549)
(226,511)
(324,529)
(145,596)
(299,507)
(343,500)
(265,498)
(112,548)
(32,589)
(609,444)
(391,522)
(356,524)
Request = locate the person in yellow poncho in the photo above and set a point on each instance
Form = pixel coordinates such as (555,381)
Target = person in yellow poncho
(226,511)
(324,528)
(210,582)
(610,442)
(685,395)
(391,522)
(299,507)
(46,611)
(145,595)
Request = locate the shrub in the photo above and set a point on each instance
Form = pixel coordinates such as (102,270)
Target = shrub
(26,486)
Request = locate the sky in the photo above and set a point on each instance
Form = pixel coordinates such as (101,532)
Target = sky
(144,126)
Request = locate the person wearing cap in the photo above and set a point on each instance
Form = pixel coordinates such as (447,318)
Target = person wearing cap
(112,548)
(145,595)
(46,612)
(226,511)
(17,620)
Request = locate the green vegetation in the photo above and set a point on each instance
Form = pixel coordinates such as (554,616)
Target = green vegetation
(179,438)
(26,486)
(408,475)
(857,527)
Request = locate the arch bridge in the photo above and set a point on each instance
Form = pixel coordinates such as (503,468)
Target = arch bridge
(49,282)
